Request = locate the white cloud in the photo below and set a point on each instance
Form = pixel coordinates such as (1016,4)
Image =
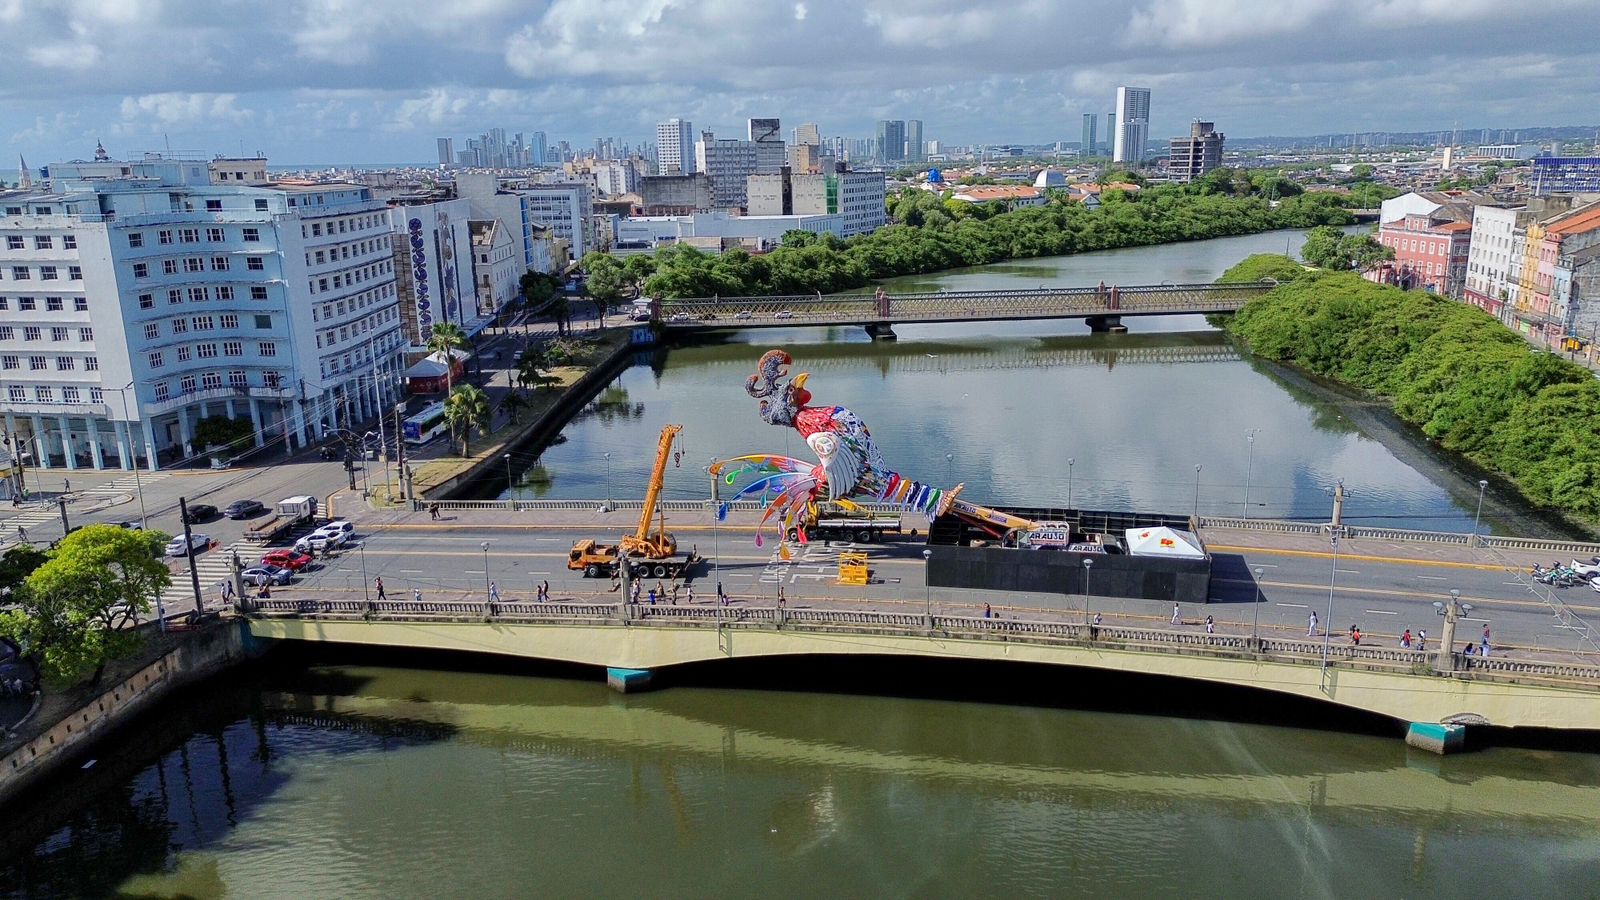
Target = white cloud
(184,109)
(65,55)
(799,12)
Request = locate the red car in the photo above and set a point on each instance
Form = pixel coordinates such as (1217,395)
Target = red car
(288,559)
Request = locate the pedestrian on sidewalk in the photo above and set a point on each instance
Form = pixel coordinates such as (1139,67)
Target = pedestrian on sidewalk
(1484,641)
(1422,640)
(637,592)
(652,596)
(1311,624)
(22,535)
(227,591)
(494,592)
(689,594)
(988,612)
(378,583)
(433,511)
(546,587)
(1211,627)
(722,596)
(1405,640)
(416,594)
(1177,614)
(674,593)
(1355,636)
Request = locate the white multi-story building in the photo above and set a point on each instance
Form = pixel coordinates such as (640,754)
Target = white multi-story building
(675,147)
(432,246)
(564,208)
(856,197)
(138,298)
(807,133)
(1131,127)
(496,265)
(1494,257)
(728,163)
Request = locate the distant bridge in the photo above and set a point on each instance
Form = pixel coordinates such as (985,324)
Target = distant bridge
(823,357)
(1103,307)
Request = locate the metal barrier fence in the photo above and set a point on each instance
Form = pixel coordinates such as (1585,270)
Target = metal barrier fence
(1417,662)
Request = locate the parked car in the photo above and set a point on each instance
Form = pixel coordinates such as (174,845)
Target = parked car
(341,527)
(244,509)
(130,525)
(682,317)
(259,575)
(744,314)
(783,314)
(200,512)
(196,543)
(286,559)
(643,315)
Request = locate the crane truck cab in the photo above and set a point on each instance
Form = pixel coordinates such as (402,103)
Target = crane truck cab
(648,552)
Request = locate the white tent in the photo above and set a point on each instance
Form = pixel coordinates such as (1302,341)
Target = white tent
(1162,541)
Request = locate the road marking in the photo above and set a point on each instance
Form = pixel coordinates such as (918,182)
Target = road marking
(1295,605)
(538,573)
(1392,560)
(1346,572)
(412,571)
(1382,612)
(1436,577)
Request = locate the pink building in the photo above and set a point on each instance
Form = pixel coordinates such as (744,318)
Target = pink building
(1430,234)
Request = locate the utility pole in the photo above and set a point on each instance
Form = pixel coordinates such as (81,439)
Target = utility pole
(65,529)
(194,573)
(400,453)
(383,442)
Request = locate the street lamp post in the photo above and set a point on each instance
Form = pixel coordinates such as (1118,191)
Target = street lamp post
(1088,565)
(365,586)
(1249,468)
(1327,628)
(607,507)
(1452,613)
(1070,462)
(510,485)
(138,485)
(949,467)
(486,592)
(1482,484)
(1255,621)
(1197,495)
(927,589)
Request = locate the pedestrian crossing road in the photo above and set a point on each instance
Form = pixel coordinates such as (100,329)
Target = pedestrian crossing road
(37,513)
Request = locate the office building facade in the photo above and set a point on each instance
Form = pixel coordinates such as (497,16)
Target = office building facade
(1132,128)
(728,163)
(447,151)
(1193,156)
(767,136)
(675,147)
(914,140)
(891,141)
(857,197)
(1087,142)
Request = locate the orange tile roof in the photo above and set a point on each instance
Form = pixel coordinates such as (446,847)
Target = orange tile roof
(1456,226)
(1584,219)
(999,192)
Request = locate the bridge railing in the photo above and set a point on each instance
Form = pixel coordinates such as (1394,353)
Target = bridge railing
(1303,651)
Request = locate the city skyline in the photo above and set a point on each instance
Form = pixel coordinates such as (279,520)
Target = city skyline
(319,84)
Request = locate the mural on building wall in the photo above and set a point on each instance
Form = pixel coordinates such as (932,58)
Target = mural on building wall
(445,236)
(419,270)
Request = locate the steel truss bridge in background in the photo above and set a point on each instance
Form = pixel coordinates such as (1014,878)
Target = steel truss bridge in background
(1103,307)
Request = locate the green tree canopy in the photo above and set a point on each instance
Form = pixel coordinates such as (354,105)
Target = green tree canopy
(466,408)
(75,611)
(1329,248)
(446,338)
(1261,267)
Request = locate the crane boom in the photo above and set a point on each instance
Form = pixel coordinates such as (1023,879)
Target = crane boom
(640,540)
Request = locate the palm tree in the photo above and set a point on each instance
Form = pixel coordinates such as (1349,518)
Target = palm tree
(447,338)
(465,408)
(513,404)
(528,368)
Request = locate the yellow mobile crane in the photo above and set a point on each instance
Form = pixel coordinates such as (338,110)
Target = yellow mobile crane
(651,553)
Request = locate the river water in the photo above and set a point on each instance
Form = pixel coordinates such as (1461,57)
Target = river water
(361,781)
(1033,413)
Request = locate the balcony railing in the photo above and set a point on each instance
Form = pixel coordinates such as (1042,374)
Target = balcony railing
(177,401)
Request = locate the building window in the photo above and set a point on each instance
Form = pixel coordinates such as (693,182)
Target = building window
(203,323)
(69,395)
(262,206)
(162,392)
(85,335)
(14,242)
(211,380)
(6,333)
(252,234)
(258,292)
(255,264)
(229,320)
(31,333)
(219,264)
(91,363)
(237,379)
(65,364)
(174,297)
(169,267)
(80,304)
(189,235)
(214,235)
(38,363)
(225,292)
(194,264)
(47,273)
(164,236)
(152,330)
(183,353)
(232,348)
(58,334)
(44,394)
(180,325)
(26,303)
(206,351)
(10,362)
(43,242)
(214,205)
(21,273)
(17,393)
(6,304)
(263,322)
(267,348)
(69,241)
(96,395)
(186,384)
(54,304)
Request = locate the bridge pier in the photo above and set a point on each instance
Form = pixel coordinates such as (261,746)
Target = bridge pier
(1112,324)
(882,331)
(1437,738)
(628,681)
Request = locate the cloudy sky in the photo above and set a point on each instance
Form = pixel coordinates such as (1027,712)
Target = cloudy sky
(327,81)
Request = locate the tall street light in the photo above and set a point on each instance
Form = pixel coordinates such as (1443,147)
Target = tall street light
(510,485)
(486,592)
(1070,461)
(1327,629)
(132,448)
(607,507)
(1249,467)
(927,589)
(949,467)
(1197,495)
(365,587)
(1255,622)
(1088,565)
(1479,514)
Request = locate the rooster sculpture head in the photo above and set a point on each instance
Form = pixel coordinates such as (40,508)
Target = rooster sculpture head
(779,402)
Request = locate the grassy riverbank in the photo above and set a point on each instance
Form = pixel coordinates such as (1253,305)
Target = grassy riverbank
(933,233)
(1448,368)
